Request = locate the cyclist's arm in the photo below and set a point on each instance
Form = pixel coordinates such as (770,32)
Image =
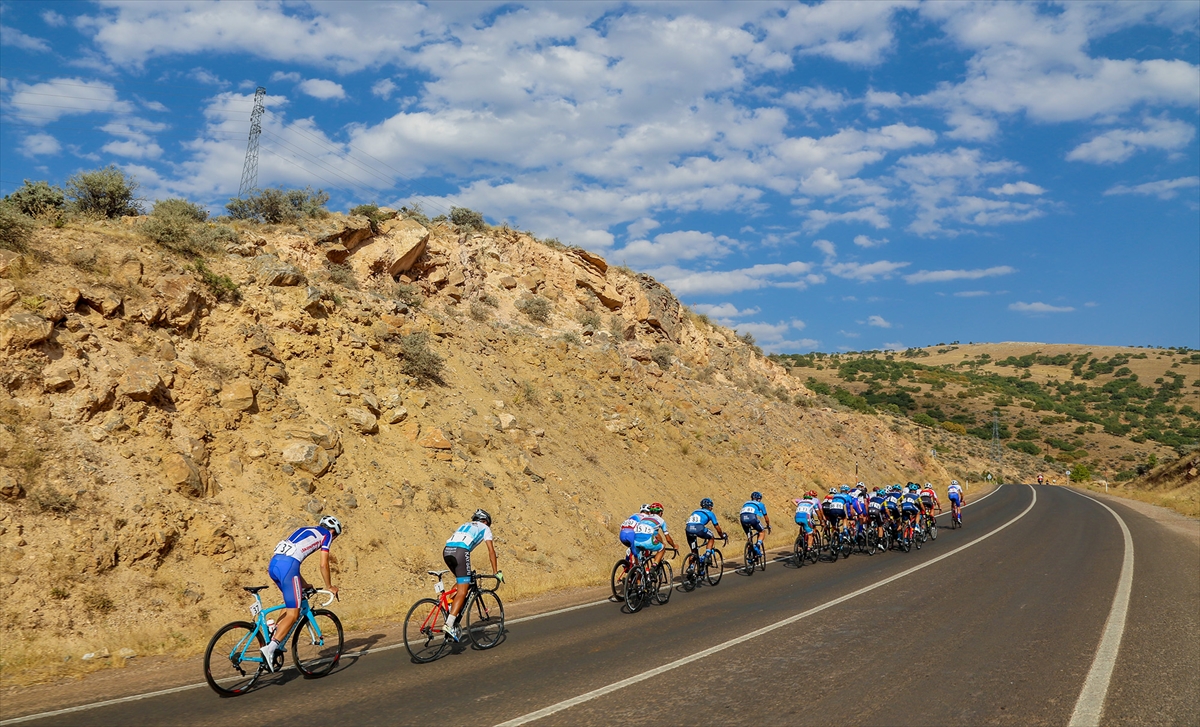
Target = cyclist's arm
(325,573)
(492,555)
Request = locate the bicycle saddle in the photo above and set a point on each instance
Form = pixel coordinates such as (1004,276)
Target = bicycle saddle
(252,589)
(437,573)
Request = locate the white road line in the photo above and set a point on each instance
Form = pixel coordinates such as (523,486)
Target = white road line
(364,652)
(615,686)
(1090,706)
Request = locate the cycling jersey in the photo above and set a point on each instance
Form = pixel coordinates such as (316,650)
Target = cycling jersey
(875,505)
(954,492)
(893,502)
(858,504)
(910,502)
(698,522)
(469,535)
(644,534)
(928,496)
(627,535)
(657,519)
(284,567)
(835,507)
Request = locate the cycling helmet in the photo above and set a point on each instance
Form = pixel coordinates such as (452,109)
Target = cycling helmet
(645,508)
(706,503)
(862,485)
(845,489)
(913,487)
(756,496)
(656,508)
(330,523)
(482,515)
(929,484)
(954,482)
(833,491)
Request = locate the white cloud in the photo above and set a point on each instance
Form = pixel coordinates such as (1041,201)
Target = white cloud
(819,219)
(1118,145)
(878,322)
(1039,308)
(849,334)
(671,247)
(826,247)
(16,39)
(971,293)
(291,76)
(207,77)
(133,149)
(867,242)
(71,96)
(858,33)
(942,276)
(1091,304)
(39,144)
(1012,188)
(806,99)
(772,337)
(724,311)
(773,275)
(894,346)
(321,88)
(1162,188)
(942,186)
(53,19)
(865,272)
(383,88)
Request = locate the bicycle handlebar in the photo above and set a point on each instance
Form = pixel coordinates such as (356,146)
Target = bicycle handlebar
(310,592)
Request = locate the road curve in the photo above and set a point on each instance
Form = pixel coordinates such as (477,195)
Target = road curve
(1004,631)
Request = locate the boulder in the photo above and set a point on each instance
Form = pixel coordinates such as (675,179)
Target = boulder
(320,434)
(181,301)
(434,439)
(371,402)
(273,271)
(140,380)
(102,300)
(182,475)
(395,416)
(508,282)
(349,231)
(8,295)
(23,330)
(363,420)
(238,396)
(507,421)
(307,456)
(393,251)
(10,489)
(60,374)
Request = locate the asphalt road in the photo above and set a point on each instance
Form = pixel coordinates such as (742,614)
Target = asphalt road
(1002,632)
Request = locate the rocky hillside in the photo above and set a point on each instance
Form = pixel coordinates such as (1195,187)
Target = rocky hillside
(169,415)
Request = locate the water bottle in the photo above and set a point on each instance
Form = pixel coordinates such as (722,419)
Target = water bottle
(271,627)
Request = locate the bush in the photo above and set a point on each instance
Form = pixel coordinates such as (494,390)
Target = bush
(407,294)
(215,237)
(1081,473)
(106,193)
(418,361)
(924,420)
(177,207)
(1025,446)
(489,300)
(590,318)
(414,212)
(662,355)
(536,307)
(15,228)
(468,218)
(818,387)
(343,275)
(221,286)
(48,499)
(480,312)
(371,212)
(38,199)
(277,205)
(954,427)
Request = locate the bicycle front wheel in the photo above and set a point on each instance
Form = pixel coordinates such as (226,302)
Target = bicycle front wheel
(485,620)
(618,580)
(716,567)
(317,644)
(425,631)
(232,661)
(688,577)
(664,582)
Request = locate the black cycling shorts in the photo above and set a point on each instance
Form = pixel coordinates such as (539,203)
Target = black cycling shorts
(458,560)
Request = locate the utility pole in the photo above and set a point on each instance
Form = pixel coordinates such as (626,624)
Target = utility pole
(250,169)
(997,450)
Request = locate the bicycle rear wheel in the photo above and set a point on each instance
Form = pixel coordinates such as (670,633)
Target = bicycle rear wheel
(618,580)
(716,567)
(485,619)
(663,582)
(425,631)
(846,545)
(748,557)
(813,553)
(932,529)
(634,588)
(798,550)
(688,577)
(232,661)
(317,644)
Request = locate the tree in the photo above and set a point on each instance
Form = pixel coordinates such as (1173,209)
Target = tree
(107,193)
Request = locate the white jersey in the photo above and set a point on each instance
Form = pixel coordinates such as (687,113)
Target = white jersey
(304,542)
(658,521)
(469,535)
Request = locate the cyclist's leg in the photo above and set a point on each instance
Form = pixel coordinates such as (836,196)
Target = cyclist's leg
(458,560)
(285,572)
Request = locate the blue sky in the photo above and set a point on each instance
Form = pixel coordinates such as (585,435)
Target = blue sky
(825,176)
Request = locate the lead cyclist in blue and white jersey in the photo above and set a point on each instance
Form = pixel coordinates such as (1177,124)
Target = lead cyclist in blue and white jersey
(954,494)
(697,526)
(457,555)
(284,569)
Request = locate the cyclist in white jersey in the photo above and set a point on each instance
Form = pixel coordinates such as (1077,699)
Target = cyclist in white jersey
(284,569)
(457,555)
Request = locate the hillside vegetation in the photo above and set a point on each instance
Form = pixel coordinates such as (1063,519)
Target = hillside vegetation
(179,393)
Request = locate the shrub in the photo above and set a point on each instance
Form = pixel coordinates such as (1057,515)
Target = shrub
(1025,446)
(409,295)
(38,199)
(590,318)
(343,275)
(277,205)
(98,602)
(480,312)
(572,337)
(418,361)
(371,212)
(954,427)
(215,237)
(181,208)
(48,499)
(662,355)
(415,212)
(489,300)
(172,230)
(1125,475)
(1081,472)
(468,218)
(924,420)
(818,387)
(106,193)
(536,307)
(221,286)
(15,228)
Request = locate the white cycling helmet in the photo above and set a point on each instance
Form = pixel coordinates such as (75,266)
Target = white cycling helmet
(329,522)
(645,508)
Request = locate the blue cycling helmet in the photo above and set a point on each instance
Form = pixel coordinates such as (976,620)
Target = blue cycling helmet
(706,504)
(913,487)
(845,489)
(756,496)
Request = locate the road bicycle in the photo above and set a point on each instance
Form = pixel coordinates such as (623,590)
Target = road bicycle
(907,536)
(802,550)
(929,526)
(863,538)
(619,572)
(702,568)
(955,516)
(755,555)
(233,661)
(840,542)
(481,619)
(648,581)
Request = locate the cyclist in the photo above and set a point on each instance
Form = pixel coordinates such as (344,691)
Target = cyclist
(1041,479)
(877,511)
(628,528)
(284,569)
(656,510)
(929,499)
(457,555)
(835,510)
(858,506)
(954,493)
(808,508)
(910,506)
(697,526)
(646,536)
(751,512)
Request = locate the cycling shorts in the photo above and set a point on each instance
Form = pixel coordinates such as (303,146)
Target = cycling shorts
(834,516)
(927,502)
(627,537)
(648,546)
(954,498)
(804,524)
(858,507)
(285,572)
(751,523)
(878,517)
(458,560)
(694,534)
(909,512)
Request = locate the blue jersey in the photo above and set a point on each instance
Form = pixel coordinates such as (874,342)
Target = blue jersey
(875,504)
(911,501)
(469,535)
(754,509)
(699,520)
(645,530)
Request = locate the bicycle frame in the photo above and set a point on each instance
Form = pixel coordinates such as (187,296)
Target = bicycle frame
(244,650)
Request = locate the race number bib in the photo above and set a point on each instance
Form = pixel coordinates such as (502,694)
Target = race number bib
(695,519)
(287,548)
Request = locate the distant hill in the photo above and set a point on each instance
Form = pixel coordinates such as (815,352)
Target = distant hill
(1116,411)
